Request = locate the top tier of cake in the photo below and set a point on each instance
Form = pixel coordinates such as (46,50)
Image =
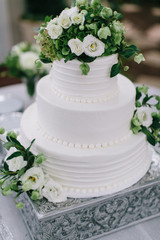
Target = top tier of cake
(68,80)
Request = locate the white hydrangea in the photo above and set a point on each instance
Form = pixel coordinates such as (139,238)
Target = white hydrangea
(144,114)
(77,18)
(27,60)
(76,46)
(33,178)
(53,191)
(64,20)
(93,47)
(16,163)
(54,30)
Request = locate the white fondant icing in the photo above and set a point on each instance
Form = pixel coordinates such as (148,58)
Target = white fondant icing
(86,123)
(110,168)
(89,147)
(68,79)
(79,145)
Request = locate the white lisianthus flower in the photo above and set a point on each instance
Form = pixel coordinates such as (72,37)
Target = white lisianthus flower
(64,20)
(27,60)
(93,47)
(53,191)
(144,114)
(77,18)
(33,178)
(54,20)
(16,163)
(54,30)
(76,46)
(70,11)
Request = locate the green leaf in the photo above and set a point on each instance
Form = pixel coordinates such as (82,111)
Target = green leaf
(129,51)
(30,145)
(116,68)
(65,51)
(21,172)
(84,68)
(6,168)
(138,94)
(13,185)
(146,99)
(155,123)
(85,58)
(44,59)
(70,57)
(157,106)
(8,145)
(19,205)
(48,19)
(150,137)
(14,155)
(17,143)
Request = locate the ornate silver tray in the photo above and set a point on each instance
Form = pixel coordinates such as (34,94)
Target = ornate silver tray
(80,219)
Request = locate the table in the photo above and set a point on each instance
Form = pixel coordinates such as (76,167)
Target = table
(11,218)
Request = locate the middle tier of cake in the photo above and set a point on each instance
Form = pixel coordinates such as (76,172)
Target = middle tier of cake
(85,124)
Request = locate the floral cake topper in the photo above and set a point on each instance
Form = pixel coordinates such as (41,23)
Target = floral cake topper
(84,32)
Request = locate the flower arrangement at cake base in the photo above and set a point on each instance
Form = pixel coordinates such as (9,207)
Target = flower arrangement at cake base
(22,172)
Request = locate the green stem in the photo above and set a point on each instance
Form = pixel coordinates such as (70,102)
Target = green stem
(2,140)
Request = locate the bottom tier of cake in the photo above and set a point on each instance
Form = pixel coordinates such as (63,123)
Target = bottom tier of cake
(88,172)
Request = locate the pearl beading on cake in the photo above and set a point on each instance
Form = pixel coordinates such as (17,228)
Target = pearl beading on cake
(89,100)
(81,145)
(103,189)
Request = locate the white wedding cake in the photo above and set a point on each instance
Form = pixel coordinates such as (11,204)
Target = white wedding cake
(82,125)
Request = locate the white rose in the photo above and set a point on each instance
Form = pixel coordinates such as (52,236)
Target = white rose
(70,11)
(77,18)
(93,47)
(54,30)
(16,163)
(144,114)
(53,191)
(76,46)
(27,60)
(33,178)
(64,20)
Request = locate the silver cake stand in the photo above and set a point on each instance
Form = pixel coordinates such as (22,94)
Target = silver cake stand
(80,219)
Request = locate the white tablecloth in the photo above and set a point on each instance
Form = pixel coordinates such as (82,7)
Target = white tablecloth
(10,216)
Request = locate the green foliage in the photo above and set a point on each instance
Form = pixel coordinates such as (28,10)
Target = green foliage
(116,68)
(10,181)
(129,51)
(99,21)
(84,68)
(152,131)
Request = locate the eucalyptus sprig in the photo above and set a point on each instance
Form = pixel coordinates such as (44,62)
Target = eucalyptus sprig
(16,165)
(146,116)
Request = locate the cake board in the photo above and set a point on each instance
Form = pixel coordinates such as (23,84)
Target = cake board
(93,218)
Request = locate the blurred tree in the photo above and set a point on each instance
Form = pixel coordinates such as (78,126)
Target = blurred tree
(38,9)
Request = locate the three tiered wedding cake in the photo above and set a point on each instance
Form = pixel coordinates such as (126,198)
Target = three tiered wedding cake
(82,125)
